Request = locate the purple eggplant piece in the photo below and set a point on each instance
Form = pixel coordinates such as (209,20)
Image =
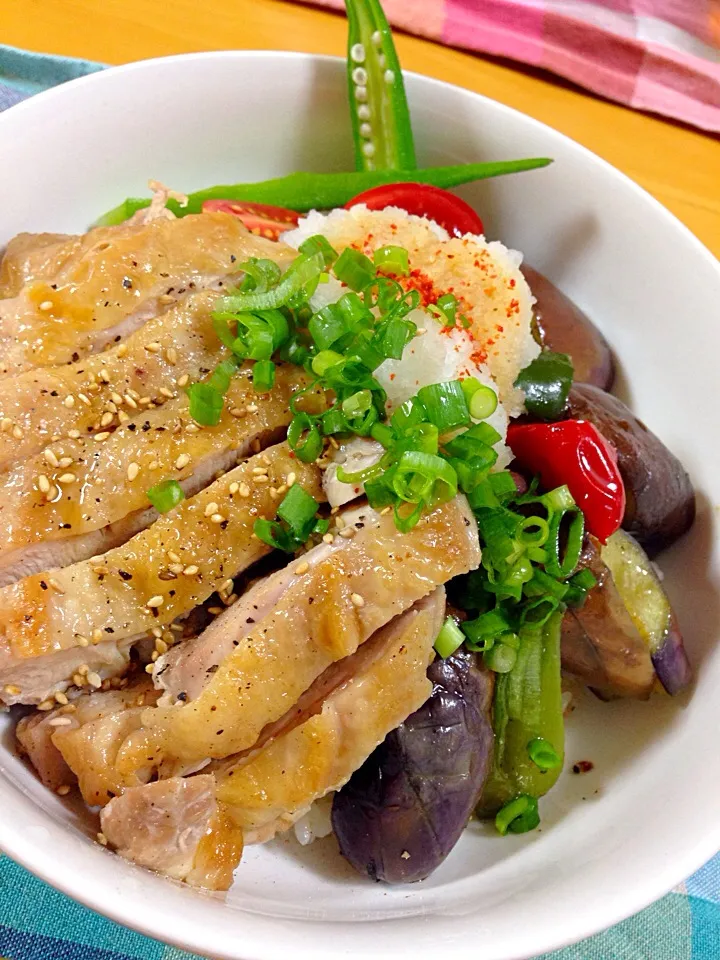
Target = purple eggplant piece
(404,809)
(660,497)
(642,593)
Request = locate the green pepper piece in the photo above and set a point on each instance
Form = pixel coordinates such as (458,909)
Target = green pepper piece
(323,191)
(546,382)
(379,112)
(527,705)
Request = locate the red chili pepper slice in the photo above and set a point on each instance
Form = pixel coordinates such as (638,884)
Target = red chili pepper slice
(260,218)
(575,453)
(424,200)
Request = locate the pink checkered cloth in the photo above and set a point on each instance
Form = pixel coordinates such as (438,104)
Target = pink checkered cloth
(659,55)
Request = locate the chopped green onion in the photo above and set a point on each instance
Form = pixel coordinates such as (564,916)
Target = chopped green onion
(260,275)
(520,815)
(424,478)
(357,405)
(543,754)
(394,336)
(482,400)
(392,260)
(563,566)
(275,535)
(383,434)
(327,326)
(206,404)
(165,495)
(354,311)
(334,422)
(323,361)
(546,383)
(263,376)
(354,269)
(584,579)
(304,438)
(449,639)
(485,629)
(559,499)
(445,309)
(500,657)
(409,414)
(221,376)
(303,270)
(319,244)
(534,531)
(298,510)
(445,405)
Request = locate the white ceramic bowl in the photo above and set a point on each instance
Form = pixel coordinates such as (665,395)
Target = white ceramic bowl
(647,816)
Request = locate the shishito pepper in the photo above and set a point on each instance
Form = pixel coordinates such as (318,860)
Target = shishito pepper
(379,111)
(527,707)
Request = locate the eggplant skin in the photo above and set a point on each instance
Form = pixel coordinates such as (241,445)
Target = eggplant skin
(660,497)
(563,327)
(404,809)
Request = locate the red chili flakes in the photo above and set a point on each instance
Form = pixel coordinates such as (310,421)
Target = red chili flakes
(513,307)
(512,283)
(417,280)
(392,376)
(479,356)
(583,766)
(499,328)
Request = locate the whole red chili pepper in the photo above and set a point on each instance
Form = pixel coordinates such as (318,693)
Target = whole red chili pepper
(575,453)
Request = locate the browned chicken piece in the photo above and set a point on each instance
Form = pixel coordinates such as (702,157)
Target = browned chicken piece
(31,256)
(156,577)
(116,280)
(82,497)
(78,742)
(100,392)
(277,785)
(34,735)
(177,828)
(267,649)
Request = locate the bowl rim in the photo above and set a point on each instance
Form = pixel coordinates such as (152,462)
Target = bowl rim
(32,853)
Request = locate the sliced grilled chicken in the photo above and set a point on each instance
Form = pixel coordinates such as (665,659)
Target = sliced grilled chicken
(177,828)
(266,650)
(82,497)
(31,256)
(269,792)
(116,280)
(34,735)
(99,392)
(78,742)
(157,576)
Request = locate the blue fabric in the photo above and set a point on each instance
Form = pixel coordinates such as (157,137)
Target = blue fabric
(38,923)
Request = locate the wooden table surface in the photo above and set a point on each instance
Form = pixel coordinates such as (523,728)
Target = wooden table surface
(679,165)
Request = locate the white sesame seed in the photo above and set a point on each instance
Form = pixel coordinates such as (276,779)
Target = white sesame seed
(122,350)
(339,522)
(65,462)
(328,538)
(123,417)
(53,584)
(190,570)
(84,399)
(102,839)
(130,402)
(347,532)
(43,484)
(244,490)
(149,668)
(5,424)
(182,461)
(156,601)
(101,436)
(233,488)
(183,380)
(17,433)
(63,790)
(357,600)
(173,557)
(106,419)
(82,641)
(171,356)
(97,635)
(116,399)
(302,568)
(61,698)
(134,394)
(259,470)
(94,680)
(211,508)
(153,465)
(104,376)
(46,305)
(12,689)
(59,722)
(215,611)
(263,478)
(164,392)
(161,646)
(67,478)
(74,434)
(153,347)
(156,632)
(51,458)
(145,401)
(133,470)
(217,518)
(385,510)
(252,408)
(192,428)
(176,568)
(237,412)
(46,705)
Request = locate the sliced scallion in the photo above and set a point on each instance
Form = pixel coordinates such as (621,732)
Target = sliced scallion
(445,405)
(392,260)
(263,376)
(354,269)
(520,815)
(165,495)
(543,754)
(206,404)
(449,639)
